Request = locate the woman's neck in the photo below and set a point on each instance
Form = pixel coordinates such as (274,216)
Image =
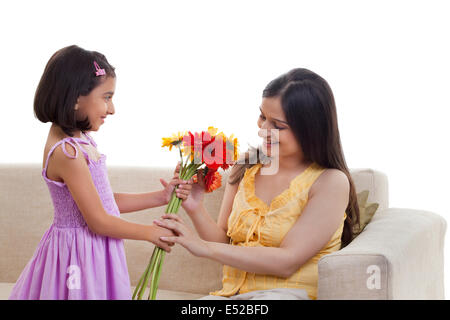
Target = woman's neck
(289,164)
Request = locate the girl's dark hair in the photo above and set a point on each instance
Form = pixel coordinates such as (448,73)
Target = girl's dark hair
(69,73)
(310,110)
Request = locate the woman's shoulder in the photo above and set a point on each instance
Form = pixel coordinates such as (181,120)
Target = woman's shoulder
(330,179)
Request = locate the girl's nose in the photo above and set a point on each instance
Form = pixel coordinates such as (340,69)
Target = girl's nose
(111,109)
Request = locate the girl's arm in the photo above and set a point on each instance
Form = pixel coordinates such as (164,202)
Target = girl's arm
(319,220)
(77,177)
(130,202)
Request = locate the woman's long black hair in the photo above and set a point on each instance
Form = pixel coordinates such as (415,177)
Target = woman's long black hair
(310,110)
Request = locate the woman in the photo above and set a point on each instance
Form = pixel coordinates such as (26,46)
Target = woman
(273,228)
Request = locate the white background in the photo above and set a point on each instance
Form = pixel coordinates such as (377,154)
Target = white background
(187,65)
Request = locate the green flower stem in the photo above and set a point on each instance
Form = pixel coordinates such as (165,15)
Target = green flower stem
(177,206)
(154,268)
(184,169)
(156,275)
(139,283)
(171,202)
(147,275)
(181,157)
(152,283)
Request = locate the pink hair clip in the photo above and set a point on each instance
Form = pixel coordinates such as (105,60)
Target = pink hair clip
(99,72)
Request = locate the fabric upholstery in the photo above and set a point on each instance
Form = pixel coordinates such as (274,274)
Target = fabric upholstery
(406,244)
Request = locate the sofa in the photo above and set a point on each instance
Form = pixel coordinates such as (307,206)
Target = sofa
(399,254)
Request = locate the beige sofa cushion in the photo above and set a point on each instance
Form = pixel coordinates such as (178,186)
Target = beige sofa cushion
(399,255)
(6,287)
(26,212)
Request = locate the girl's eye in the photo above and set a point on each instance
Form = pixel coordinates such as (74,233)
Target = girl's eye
(261,116)
(108,98)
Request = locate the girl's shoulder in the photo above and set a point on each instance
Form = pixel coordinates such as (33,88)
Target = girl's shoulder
(59,152)
(57,145)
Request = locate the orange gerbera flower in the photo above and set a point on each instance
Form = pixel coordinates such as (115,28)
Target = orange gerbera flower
(213,181)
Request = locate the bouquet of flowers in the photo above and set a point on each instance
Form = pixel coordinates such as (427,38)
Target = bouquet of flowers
(209,149)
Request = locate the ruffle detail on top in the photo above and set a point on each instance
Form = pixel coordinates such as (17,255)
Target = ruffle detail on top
(297,184)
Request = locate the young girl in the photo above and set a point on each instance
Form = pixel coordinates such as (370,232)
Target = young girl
(81,255)
(273,229)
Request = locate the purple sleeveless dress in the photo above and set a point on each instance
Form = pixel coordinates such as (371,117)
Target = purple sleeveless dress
(70,261)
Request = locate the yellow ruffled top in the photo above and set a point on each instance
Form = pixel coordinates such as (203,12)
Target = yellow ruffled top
(253,223)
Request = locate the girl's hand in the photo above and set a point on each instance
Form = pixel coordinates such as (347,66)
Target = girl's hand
(156,232)
(184,235)
(193,203)
(183,189)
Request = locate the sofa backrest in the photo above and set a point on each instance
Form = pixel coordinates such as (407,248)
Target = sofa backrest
(26,212)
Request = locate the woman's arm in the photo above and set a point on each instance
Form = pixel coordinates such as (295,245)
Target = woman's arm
(319,220)
(207,228)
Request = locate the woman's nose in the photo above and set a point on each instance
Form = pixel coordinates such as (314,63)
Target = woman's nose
(264,133)
(271,134)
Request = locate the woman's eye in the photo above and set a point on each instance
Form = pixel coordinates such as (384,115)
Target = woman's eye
(274,125)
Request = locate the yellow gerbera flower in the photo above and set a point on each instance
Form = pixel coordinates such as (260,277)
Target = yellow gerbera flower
(232,141)
(174,140)
(212,131)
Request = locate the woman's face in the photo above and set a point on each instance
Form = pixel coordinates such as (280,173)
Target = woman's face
(97,104)
(278,138)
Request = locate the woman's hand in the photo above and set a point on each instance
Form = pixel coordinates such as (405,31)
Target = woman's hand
(183,189)
(156,232)
(184,235)
(195,200)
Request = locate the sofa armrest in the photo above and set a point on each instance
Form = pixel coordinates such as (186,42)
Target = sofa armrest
(399,255)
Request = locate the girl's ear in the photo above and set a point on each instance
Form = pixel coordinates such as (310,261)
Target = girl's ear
(76,105)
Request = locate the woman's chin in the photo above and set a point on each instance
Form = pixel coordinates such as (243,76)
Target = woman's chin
(269,151)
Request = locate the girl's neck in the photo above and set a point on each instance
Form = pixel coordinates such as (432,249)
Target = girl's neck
(60,133)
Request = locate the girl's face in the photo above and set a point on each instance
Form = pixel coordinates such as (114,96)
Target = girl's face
(97,104)
(278,138)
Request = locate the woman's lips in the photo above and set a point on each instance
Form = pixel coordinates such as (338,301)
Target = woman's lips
(269,144)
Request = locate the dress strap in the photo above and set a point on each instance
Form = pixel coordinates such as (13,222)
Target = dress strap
(91,140)
(73,142)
